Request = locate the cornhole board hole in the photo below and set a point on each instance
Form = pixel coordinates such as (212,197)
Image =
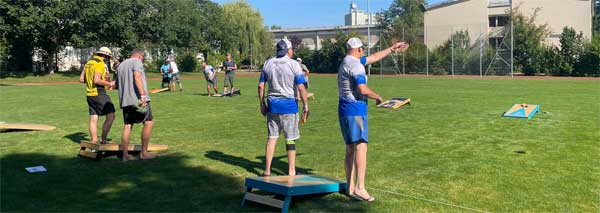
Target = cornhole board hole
(288,186)
(522,111)
(395,103)
(235,92)
(22,126)
(98,151)
(157,90)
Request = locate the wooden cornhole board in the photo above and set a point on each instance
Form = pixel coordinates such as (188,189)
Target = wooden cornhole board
(235,92)
(310,95)
(22,126)
(394,103)
(289,186)
(98,151)
(157,90)
(522,111)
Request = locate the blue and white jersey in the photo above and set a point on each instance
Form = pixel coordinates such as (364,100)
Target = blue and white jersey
(283,75)
(351,74)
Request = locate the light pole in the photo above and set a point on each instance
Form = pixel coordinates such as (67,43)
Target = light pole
(369,34)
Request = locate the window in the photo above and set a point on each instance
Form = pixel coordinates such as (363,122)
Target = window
(498,21)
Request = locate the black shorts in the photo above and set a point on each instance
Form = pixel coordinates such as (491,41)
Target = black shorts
(100,105)
(132,116)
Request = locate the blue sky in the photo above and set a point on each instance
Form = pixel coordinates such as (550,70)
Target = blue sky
(310,13)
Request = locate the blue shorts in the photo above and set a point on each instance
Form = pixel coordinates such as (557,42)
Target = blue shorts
(355,129)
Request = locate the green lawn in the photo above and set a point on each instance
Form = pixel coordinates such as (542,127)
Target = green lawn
(449,152)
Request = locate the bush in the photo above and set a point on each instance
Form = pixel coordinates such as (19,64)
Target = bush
(187,62)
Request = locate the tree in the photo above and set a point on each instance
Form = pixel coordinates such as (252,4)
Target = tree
(571,48)
(403,19)
(528,39)
(275,27)
(589,62)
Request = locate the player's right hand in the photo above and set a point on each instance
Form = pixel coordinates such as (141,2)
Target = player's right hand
(378,100)
(263,109)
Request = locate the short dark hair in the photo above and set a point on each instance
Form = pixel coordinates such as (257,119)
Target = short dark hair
(137,51)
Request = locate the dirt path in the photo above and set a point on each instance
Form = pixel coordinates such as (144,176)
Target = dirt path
(256,74)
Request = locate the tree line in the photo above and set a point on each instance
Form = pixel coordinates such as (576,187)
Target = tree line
(186,27)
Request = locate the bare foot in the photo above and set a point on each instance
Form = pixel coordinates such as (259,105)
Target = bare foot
(128,157)
(147,155)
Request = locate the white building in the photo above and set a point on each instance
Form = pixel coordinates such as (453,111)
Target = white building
(485,19)
(357,17)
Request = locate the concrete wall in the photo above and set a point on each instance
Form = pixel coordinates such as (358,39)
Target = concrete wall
(441,22)
(559,14)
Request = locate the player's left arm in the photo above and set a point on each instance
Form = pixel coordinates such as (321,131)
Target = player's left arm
(399,47)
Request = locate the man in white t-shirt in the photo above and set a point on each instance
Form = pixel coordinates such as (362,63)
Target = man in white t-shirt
(175,74)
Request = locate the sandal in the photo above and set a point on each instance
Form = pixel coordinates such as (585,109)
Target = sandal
(358,197)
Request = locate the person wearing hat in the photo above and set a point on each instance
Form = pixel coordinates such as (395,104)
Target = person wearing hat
(174,70)
(135,102)
(283,75)
(211,78)
(306,71)
(97,80)
(352,112)
(165,70)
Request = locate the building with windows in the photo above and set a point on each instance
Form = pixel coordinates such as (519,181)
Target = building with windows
(358,17)
(485,20)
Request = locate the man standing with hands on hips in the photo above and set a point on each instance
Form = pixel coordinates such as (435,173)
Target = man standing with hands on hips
(352,112)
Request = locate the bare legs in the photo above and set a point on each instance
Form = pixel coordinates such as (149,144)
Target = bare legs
(270,151)
(146,133)
(356,166)
(105,127)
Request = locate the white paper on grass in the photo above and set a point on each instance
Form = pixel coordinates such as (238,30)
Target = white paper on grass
(36,169)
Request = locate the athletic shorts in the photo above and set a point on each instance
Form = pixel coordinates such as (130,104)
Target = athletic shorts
(212,83)
(175,77)
(355,129)
(100,105)
(132,116)
(229,80)
(288,123)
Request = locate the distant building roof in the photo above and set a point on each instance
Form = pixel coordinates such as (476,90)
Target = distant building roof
(323,28)
(491,3)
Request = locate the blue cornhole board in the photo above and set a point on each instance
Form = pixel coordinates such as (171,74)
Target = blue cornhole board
(522,111)
(289,186)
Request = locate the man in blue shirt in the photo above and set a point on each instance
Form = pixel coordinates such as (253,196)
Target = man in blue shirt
(283,75)
(164,70)
(352,112)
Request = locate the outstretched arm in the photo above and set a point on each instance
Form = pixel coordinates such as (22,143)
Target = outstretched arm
(399,46)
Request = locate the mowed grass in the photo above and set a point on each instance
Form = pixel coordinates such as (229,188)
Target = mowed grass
(448,152)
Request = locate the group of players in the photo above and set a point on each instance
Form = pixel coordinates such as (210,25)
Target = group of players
(286,83)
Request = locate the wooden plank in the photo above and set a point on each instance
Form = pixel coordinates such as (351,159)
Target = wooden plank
(117,147)
(394,103)
(157,90)
(24,126)
(310,95)
(85,144)
(264,199)
(87,154)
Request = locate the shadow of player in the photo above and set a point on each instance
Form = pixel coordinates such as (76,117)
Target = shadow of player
(278,166)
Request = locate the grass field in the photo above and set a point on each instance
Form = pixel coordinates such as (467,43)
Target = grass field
(449,152)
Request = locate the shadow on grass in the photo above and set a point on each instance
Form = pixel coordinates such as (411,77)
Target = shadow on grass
(278,166)
(165,184)
(77,137)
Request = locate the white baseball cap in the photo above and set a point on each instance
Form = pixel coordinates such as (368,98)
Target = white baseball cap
(354,43)
(298,59)
(282,47)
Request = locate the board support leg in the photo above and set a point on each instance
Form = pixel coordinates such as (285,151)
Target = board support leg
(286,204)
(248,190)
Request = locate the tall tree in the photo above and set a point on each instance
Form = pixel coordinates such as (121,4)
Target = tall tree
(245,34)
(528,37)
(403,19)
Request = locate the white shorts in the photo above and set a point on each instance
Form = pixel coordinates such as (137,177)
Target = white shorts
(288,123)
